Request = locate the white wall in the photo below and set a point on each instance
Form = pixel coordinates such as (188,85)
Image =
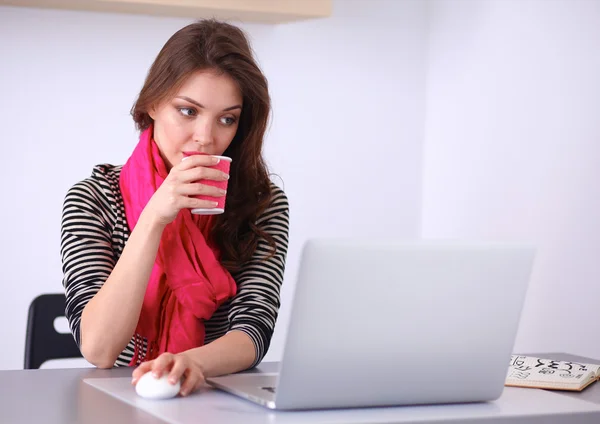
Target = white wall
(512,150)
(348,96)
(347,136)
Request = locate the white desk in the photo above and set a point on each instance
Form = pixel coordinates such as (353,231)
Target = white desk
(62,396)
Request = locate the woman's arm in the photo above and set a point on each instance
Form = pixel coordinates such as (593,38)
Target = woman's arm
(254,309)
(252,314)
(109,318)
(112,293)
(233,352)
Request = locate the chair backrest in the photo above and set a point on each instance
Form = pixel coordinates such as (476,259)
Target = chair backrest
(42,341)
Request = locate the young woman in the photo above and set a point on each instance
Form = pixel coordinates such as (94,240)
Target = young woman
(149,283)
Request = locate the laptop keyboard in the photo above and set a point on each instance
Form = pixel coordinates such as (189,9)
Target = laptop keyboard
(269,389)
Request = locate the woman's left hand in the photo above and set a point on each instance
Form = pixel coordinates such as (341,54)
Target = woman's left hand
(176,366)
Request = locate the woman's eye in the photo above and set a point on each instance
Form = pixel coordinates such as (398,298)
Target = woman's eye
(228,120)
(186,111)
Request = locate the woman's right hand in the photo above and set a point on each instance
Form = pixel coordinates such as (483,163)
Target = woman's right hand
(181,183)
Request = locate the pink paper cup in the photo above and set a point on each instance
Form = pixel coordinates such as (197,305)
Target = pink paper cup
(223,165)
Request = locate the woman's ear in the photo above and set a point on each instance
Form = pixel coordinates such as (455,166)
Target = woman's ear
(152,112)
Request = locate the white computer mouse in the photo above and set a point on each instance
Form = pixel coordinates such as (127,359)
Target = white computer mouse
(150,387)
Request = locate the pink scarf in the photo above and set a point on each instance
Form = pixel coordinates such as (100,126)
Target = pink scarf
(188,283)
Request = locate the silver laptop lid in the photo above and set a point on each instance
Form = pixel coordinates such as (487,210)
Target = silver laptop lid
(388,323)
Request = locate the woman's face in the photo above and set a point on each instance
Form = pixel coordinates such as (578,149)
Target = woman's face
(203,116)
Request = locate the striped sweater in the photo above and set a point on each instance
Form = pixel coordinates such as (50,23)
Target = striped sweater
(94,233)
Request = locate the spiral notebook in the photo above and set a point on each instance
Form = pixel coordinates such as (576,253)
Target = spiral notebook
(529,371)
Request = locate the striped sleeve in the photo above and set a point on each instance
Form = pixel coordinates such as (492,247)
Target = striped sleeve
(254,308)
(86,248)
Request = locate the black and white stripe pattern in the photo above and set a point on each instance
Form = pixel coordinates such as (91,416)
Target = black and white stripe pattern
(93,236)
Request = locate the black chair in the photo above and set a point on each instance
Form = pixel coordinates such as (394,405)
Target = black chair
(42,341)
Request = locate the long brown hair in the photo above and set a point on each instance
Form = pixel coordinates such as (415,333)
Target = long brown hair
(221,47)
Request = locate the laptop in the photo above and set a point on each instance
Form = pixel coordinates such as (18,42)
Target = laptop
(377,323)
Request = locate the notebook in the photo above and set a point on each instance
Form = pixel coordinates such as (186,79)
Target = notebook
(529,371)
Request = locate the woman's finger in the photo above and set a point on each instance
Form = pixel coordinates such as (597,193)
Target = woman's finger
(200,381)
(142,369)
(191,377)
(201,173)
(195,189)
(179,367)
(192,203)
(194,161)
(162,364)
